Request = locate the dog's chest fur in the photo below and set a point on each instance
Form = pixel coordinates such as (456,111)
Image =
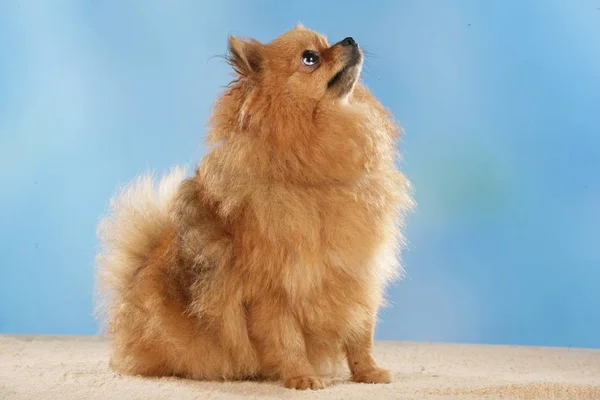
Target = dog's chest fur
(316,244)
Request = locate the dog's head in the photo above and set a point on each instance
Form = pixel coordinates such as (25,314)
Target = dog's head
(300,64)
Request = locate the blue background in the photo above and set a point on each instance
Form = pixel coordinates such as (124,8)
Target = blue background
(500,102)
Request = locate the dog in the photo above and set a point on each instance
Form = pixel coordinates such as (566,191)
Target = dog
(271,260)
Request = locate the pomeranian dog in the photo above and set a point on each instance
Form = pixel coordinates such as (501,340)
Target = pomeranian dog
(271,260)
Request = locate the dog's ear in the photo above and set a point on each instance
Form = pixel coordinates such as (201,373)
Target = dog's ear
(245,56)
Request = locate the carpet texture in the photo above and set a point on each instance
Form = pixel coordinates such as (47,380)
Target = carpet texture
(62,367)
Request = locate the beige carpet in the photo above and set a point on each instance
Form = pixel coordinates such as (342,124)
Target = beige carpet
(59,367)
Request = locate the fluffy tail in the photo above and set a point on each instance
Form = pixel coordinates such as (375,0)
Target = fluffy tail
(138,216)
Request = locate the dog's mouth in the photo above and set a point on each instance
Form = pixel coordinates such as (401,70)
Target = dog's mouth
(343,81)
(336,78)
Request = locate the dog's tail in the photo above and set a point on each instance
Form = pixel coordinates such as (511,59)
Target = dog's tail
(139,215)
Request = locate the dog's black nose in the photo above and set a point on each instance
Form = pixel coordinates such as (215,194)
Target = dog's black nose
(349,42)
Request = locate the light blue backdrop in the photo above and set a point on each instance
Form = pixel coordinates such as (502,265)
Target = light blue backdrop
(500,101)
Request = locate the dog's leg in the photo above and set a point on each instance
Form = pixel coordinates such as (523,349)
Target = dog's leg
(359,351)
(280,344)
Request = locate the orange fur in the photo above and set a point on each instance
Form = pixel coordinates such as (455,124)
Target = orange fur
(272,259)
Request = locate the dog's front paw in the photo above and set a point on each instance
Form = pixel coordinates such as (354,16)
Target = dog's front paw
(375,375)
(305,382)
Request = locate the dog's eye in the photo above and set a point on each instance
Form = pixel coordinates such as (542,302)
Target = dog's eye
(310,58)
